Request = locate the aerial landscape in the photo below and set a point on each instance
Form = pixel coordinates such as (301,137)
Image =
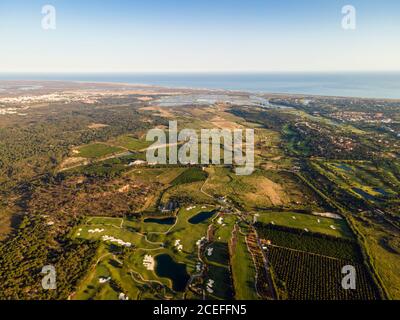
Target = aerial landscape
(77,192)
(229,178)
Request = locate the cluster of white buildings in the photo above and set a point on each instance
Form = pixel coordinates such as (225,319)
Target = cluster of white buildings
(23,102)
(8,111)
(367,117)
(96,230)
(117,241)
(53,97)
(178,245)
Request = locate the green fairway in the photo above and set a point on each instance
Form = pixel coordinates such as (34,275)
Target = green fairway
(96,150)
(120,276)
(101,229)
(162,175)
(190,175)
(222,284)
(332,227)
(362,179)
(218,262)
(123,262)
(188,234)
(243,271)
(223,232)
(383,247)
(132,143)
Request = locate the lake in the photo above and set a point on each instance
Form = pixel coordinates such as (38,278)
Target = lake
(164,221)
(166,267)
(364,194)
(201,217)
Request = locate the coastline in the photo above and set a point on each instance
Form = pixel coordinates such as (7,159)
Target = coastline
(196,90)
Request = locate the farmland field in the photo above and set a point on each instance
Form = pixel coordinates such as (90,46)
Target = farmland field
(296,239)
(131,143)
(190,175)
(306,276)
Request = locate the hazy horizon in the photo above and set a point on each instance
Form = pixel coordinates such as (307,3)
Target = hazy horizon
(347,84)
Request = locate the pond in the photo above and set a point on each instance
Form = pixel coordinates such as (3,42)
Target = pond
(381,191)
(166,267)
(343,167)
(364,194)
(201,217)
(165,221)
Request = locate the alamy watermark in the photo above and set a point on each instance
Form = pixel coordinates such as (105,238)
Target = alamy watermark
(349,20)
(49,281)
(49,19)
(183,147)
(349,280)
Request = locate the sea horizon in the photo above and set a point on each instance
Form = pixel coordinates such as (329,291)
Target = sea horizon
(355,84)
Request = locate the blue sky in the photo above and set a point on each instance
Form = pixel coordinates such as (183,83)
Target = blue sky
(199,35)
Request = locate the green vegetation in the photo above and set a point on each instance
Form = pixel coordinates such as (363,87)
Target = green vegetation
(218,262)
(371,182)
(139,239)
(382,245)
(127,235)
(306,276)
(220,253)
(131,143)
(315,224)
(222,288)
(72,197)
(296,239)
(97,150)
(190,175)
(243,271)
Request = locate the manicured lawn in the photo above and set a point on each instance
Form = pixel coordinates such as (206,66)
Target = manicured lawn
(190,175)
(361,179)
(306,221)
(386,260)
(222,286)
(163,175)
(112,227)
(144,282)
(244,272)
(187,233)
(97,150)
(121,280)
(224,233)
(132,143)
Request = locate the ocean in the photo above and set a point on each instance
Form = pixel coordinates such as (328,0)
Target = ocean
(360,84)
